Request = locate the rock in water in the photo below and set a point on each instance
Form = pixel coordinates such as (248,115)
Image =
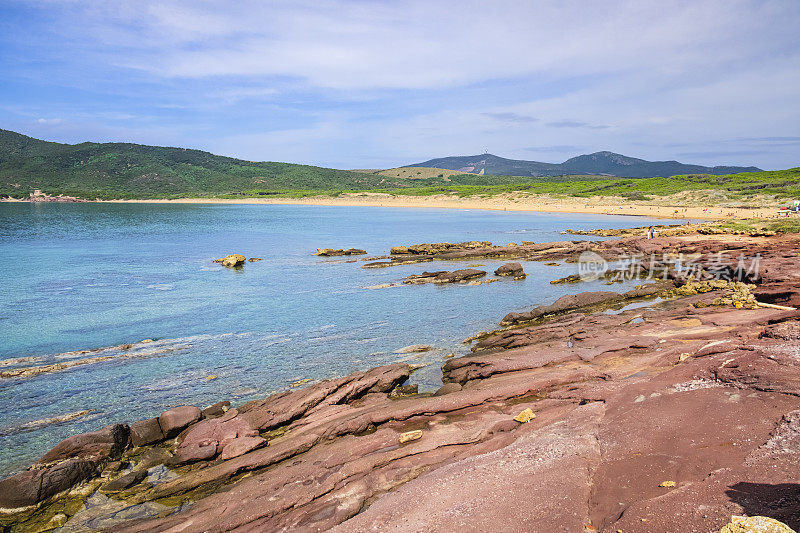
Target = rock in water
(233,260)
(414,348)
(509,269)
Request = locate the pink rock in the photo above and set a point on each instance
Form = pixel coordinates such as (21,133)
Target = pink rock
(240,446)
(200,451)
(223,431)
(174,420)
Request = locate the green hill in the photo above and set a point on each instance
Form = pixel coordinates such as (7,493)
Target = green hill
(124,170)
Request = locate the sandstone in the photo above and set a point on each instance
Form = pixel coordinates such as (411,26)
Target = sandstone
(174,420)
(100,445)
(216,410)
(447,388)
(509,269)
(240,446)
(145,432)
(124,482)
(525,416)
(200,451)
(410,435)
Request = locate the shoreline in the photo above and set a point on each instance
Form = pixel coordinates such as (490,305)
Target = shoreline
(520,416)
(506,202)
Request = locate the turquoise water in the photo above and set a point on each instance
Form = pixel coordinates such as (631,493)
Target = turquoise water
(87,276)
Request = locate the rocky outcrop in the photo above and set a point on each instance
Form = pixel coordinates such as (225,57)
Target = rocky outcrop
(438,247)
(667,417)
(231,261)
(443,276)
(73,460)
(330,252)
(510,269)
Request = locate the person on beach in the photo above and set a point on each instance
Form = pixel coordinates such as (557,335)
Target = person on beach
(650,233)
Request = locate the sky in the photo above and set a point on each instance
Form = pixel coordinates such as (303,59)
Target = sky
(378,84)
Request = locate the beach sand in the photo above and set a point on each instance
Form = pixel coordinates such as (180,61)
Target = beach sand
(545,204)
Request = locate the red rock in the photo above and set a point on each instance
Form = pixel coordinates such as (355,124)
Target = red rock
(97,446)
(174,420)
(198,451)
(240,446)
(145,432)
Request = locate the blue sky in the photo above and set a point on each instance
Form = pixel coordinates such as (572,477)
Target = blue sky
(377,84)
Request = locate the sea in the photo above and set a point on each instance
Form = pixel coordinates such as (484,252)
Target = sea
(80,282)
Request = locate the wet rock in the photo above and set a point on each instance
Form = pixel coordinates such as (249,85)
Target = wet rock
(232,260)
(144,432)
(330,252)
(240,446)
(565,303)
(509,269)
(438,247)
(459,275)
(153,457)
(572,278)
(447,388)
(414,348)
(124,482)
(404,391)
(216,410)
(20,490)
(254,259)
(175,420)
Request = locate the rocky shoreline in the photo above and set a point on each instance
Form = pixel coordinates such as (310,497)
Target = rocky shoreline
(671,407)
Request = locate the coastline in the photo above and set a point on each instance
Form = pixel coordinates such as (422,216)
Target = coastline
(505,202)
(521,417)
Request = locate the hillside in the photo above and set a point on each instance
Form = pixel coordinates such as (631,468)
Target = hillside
(124,170)
(604,163)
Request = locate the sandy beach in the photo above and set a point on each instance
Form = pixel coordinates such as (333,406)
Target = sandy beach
(545,204)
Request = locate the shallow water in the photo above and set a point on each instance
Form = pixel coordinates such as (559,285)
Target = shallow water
(87,276)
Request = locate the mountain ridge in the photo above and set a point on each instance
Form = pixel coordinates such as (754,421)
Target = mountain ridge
(597,163)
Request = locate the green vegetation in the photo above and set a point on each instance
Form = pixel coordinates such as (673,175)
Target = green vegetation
(122,170)
(130,171)
(782,225)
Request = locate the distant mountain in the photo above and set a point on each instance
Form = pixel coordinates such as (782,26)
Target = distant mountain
(125,170)
(603,163)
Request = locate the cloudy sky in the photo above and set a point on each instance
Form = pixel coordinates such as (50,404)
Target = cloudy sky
(376,84)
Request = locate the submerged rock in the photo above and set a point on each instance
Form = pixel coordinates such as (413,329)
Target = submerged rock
(415,348)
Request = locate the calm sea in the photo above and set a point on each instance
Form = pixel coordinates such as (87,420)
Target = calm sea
(87,276)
